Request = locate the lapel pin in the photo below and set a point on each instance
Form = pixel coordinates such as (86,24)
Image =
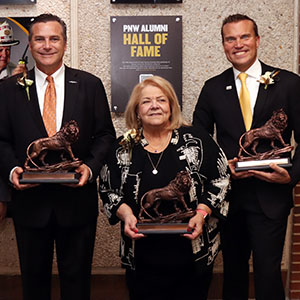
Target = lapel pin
(72,81)
(228,87)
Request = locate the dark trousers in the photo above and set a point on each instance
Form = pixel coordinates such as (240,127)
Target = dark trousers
(74,251)
(249,232)
(182,284)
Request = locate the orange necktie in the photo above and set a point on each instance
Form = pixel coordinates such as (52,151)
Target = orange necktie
(245,101)
(49,110)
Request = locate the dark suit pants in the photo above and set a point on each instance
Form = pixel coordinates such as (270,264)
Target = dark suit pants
(247,232)
(74,251)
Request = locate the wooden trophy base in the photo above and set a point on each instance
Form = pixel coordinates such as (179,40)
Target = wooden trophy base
(262,164)
(163,228)
(44,177)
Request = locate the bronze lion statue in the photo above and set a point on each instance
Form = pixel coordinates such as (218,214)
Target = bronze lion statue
(271,130)
(174,191)
(61,141)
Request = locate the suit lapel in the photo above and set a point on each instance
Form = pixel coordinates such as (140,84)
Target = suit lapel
(71,94)
(262,98)
(232,100)
(34,106)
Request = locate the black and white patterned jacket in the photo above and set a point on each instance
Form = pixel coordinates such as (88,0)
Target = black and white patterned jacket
(193,151)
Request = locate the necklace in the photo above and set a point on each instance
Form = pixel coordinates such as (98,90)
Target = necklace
(154,149)
(154,171)
(160,146)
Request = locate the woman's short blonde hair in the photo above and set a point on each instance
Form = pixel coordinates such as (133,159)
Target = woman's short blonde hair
(131,118)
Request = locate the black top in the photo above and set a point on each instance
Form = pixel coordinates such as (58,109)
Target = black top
(166,250)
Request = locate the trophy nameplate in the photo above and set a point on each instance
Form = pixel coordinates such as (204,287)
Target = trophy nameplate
(263,164)
(271,132)
(152,220)
(163,228)
(43,177)
(37,170)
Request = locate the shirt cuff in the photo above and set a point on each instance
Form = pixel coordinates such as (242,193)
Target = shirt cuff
(91,175)
(11,172)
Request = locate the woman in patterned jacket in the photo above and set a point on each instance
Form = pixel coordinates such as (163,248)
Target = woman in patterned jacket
(158,145)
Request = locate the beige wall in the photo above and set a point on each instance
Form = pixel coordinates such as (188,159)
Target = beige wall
(89,49)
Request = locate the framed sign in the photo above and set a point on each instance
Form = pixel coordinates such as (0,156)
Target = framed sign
(143,46)
(144,1)
(17,2)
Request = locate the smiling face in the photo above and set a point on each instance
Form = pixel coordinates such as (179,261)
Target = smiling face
(47,46)
(240,44)
(4,57)
(154,108)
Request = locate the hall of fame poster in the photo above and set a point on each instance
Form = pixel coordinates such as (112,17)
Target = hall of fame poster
(143,46)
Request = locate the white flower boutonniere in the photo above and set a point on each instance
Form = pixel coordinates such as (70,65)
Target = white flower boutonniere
(268,78)
(130,138)
(25,83)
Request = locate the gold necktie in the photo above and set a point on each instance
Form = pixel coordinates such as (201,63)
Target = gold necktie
(49,110)
(245,101)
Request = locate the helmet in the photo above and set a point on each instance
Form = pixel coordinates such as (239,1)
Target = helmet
(6,35)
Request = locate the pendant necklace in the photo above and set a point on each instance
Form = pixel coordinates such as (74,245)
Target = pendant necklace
(154,171)
(160,146)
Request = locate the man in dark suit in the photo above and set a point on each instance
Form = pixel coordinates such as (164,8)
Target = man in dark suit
(260,201)
(5,197)
(54,213)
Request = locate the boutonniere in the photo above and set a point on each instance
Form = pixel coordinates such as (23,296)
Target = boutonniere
(25,83)
(268,78)
(130,138)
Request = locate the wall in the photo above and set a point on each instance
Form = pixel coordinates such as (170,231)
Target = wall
(294,266)
(89,49)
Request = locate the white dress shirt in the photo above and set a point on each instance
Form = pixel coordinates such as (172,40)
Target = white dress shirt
(59,81)
(3,74)
(254,73)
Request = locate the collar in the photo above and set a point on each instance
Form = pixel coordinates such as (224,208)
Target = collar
(41,76)
(254,71)
(3,73)
(174,139)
